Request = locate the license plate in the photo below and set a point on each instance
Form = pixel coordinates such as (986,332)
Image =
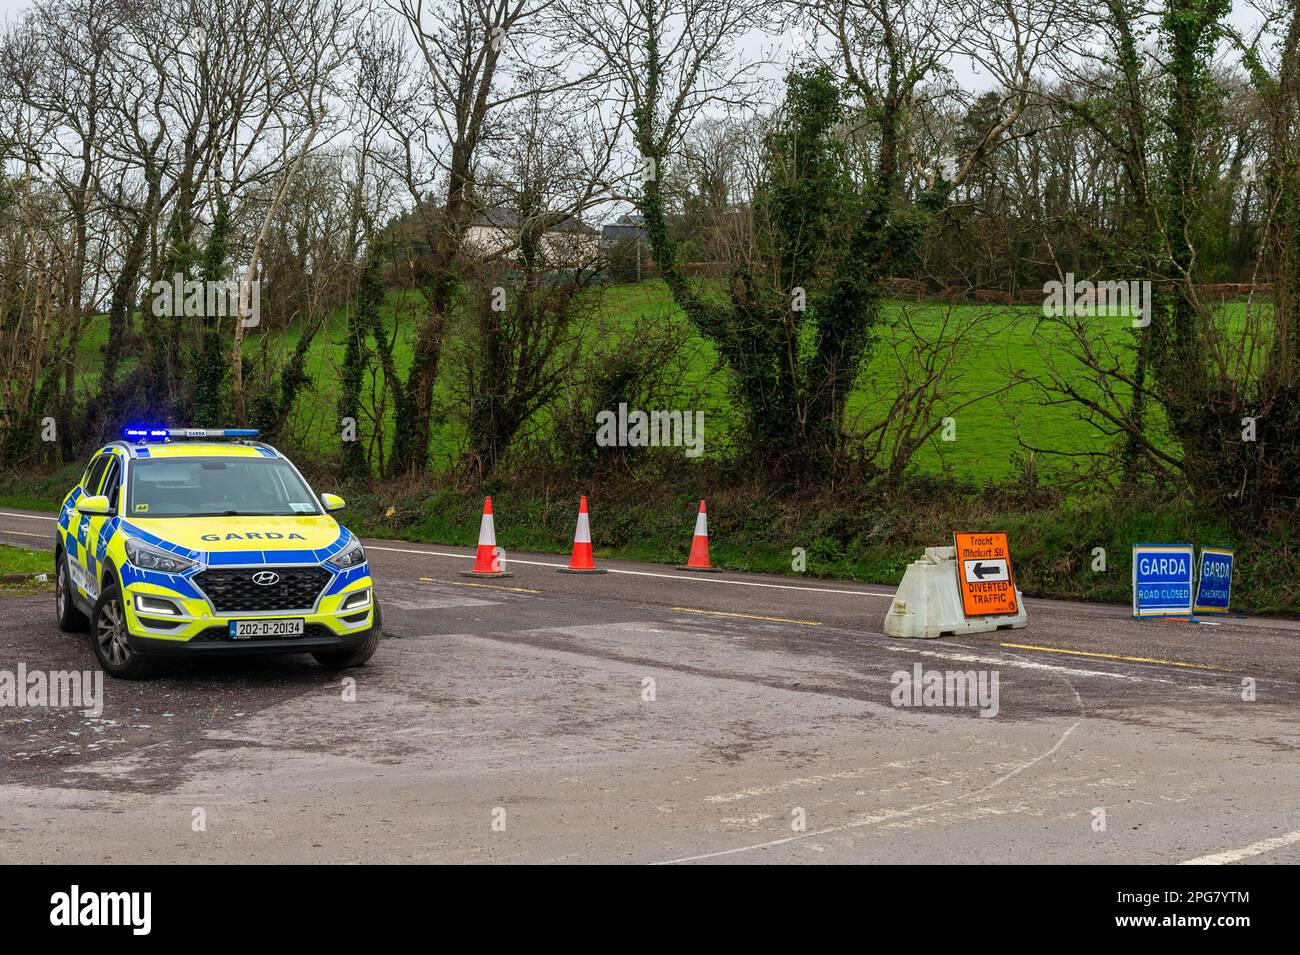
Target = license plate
(247,629)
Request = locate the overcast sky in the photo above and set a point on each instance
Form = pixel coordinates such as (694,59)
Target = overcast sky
(1243,16)
(1241,9)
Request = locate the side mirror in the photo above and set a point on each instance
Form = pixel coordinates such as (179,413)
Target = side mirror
(96,505)
(332,502)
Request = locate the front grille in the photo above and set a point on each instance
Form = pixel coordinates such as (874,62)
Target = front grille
(233,591)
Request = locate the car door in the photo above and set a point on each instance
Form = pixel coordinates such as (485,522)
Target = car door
(78,543)
(100,527)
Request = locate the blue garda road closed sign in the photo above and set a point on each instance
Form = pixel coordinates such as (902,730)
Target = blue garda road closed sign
(1214,582)
(1162,579)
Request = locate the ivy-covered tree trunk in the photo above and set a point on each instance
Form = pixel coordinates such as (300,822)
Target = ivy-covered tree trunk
(355,356)
(1201,414)
(120,306)
(211,366)
(1191,29)
(795,345)
(1236,420)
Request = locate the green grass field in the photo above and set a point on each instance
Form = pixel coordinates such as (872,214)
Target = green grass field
(1005,345)
(1009,340)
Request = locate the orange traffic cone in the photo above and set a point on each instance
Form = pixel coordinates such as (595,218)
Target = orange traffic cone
(581,562)
(487,561)
(699,559)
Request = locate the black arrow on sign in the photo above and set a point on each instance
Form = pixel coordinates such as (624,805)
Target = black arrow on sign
(981,570)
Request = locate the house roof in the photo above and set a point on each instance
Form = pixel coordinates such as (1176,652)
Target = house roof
(498,216)
(620,230)
(501,217)
(574,225)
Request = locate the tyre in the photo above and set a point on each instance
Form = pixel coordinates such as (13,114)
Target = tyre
(109,635)
(66,614)
(342,659)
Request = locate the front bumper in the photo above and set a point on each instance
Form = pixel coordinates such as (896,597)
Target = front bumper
(198,629)
(216,642)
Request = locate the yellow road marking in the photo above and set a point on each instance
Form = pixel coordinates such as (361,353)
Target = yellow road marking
(468,583)
(1116,656)
(749,616)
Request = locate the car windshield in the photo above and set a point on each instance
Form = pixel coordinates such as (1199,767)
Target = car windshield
(216,487)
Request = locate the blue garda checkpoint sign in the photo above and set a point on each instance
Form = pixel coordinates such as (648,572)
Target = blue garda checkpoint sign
(1162,579)
(1214,582)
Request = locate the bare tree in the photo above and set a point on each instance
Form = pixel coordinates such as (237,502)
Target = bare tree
(310,45)
(532,291)
(468,60)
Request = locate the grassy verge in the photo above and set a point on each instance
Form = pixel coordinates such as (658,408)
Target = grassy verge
(862,535)
(853,532)
(20,569)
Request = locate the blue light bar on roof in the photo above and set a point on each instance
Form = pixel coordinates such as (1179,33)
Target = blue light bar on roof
(171,434)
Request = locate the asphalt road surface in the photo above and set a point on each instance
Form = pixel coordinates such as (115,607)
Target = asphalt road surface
(649,715)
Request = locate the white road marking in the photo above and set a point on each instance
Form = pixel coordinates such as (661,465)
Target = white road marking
(1024,664)
(409,601)
(30,517)
(1245,852)
(640,573)
(886,816)
(800,781)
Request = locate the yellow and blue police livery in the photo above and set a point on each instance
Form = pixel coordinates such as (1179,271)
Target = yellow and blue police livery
(193,541)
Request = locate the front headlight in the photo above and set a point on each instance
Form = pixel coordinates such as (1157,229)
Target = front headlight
(357,600)
(156,605)
(350,556)
(147,557)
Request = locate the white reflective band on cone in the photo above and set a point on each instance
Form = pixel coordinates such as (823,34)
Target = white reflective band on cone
(583,535)
(486,531)
(701,524)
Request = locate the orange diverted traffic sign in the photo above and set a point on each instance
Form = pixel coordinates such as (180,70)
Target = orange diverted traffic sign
(984,574)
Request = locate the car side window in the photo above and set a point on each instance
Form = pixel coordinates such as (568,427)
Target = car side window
(113,480)
(96,474)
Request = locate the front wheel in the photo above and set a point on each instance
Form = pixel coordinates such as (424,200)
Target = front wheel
(342,659)
(108,631)
(66,614)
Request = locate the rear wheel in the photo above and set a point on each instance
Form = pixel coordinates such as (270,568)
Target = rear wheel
(109,634)
(68,617)
(342,659)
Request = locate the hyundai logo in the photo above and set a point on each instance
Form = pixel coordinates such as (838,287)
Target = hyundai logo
(266,578)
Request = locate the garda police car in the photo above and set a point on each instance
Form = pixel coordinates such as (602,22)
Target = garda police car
(192,541)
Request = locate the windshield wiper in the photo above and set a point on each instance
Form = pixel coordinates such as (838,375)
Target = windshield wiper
(233,513)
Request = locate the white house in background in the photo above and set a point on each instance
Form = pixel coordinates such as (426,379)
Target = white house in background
(623,244)
(623,231)
(570,242)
